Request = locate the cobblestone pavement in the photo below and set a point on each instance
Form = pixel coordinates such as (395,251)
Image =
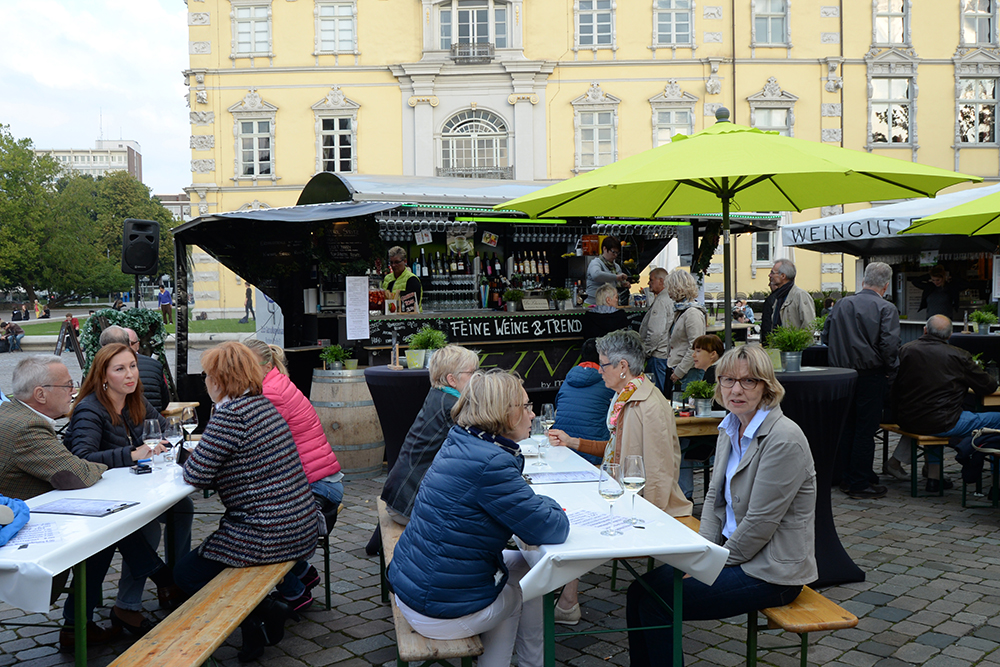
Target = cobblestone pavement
(932,597)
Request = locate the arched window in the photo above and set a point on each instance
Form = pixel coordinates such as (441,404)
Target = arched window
(474,145)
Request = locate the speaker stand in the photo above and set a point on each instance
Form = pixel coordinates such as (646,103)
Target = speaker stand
(138,293)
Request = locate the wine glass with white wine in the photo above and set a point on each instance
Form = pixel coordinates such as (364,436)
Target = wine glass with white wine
(151,437)
(173,435)
(633,479)
(189,420)
(610,488)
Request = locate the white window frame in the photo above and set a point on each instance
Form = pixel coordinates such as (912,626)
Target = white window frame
(488,144)
(319,49)
(760,238)
(977,103)
(977,16)
(235,7)
(904,15)
(596,101)
(773,97)
(658,10)
(336,106)
(673,100)
(253,108)
(453,7)
(590,8)
(873,101)
(756,41)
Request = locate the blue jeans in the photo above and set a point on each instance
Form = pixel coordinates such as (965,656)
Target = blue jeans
(966,424)
(291,587)
(660,372)
(734,592)
(140,558)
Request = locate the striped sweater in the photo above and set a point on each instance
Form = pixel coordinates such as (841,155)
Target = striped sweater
(247,454)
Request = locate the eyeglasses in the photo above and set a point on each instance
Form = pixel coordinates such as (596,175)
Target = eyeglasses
(525,406)
(394,262)
(71,386)
(607,364)
(746,383)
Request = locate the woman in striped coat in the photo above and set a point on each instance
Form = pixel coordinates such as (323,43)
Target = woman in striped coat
(248,456)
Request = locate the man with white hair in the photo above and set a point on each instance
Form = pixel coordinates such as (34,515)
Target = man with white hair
(788,304)
(927,397)
(862,333)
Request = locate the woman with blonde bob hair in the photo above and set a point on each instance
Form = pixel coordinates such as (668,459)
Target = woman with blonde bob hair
(248,456)
(689,323)
(450,573)
(761,504)
(451,368)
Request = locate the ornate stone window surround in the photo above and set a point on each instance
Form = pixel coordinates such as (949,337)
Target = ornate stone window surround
(433,25)
(336,106)
(755,42)
(594,101)
(975,63)
(977,18)
(235,7)
(252,108)
(894,63)
(773,97)
(888,17)
(336,19)
(673,46)
(671,99)
(477,137)
(597,9)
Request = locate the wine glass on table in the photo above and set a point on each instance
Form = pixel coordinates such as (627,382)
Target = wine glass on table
(173,435)
(151,437)
(610,488)
(540,439)
(189,421)
(633,479)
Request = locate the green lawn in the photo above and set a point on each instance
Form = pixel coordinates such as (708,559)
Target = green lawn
(51,327)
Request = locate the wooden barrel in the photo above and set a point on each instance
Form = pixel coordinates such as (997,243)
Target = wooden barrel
(352,428)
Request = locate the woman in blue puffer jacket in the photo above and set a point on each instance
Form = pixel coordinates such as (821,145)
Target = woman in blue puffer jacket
(450,574)
(583,400)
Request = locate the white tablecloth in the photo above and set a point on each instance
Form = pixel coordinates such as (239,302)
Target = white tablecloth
(26,574)
(662,537)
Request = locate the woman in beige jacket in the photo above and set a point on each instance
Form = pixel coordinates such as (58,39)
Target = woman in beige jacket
(761,506)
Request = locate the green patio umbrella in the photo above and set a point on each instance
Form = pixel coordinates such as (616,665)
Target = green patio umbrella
(978,217)
(728,166)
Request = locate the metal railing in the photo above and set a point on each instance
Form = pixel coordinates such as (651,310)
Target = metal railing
(477,172)
(472,54)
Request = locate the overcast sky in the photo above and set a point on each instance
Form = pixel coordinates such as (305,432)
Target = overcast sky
(66,63)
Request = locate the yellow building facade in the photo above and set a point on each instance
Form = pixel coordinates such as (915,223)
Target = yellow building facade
(545,89)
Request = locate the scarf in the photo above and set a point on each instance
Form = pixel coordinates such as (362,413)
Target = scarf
(614,415)
(503,443)
(452,391)
(772,312)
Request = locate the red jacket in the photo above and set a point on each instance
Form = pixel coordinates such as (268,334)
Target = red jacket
(317,456)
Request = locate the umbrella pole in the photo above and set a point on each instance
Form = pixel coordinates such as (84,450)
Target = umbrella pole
(726,270)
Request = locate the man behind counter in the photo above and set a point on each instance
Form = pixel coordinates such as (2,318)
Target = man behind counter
(401,280)
(604,270)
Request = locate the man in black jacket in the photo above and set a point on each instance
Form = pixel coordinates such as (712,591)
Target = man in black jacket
(928,396)
(863,334)
(154,384)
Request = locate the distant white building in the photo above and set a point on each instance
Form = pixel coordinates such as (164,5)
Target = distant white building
(178,205)
(107,155)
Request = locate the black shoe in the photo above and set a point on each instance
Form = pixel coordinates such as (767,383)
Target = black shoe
(271,614)
(310,578)
(253,640)
(870,493)
(96,635)
(935,485)
(135,630)
(845,487)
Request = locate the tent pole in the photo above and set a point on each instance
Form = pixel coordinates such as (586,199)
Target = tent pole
(726,264)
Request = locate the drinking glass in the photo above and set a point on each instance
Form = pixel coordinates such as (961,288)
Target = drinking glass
(189,420)
(173,435)
(610,488)
(151,437)
(633,479)
(541,440)
(548,415)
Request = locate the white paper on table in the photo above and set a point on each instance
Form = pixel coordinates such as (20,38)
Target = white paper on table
(589,519)
(567,476)
(34,533)
(357,308)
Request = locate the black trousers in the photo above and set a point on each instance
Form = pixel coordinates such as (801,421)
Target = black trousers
(856,451)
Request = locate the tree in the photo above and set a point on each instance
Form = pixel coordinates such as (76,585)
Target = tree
(26,192)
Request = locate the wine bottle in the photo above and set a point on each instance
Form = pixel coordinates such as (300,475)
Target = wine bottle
(424,270)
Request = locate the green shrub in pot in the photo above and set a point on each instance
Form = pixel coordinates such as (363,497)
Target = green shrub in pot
(790,339)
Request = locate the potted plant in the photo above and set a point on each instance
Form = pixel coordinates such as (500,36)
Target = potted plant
(512,297)
(703,393)
(984,318)
(790,341)
(422,344)
(562,297)
(333,357)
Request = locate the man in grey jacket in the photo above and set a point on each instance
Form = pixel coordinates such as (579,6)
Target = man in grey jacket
(655,329)
(862,332)
(788,305)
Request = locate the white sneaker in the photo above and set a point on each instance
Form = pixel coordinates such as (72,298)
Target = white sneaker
(569,616)
(895,468)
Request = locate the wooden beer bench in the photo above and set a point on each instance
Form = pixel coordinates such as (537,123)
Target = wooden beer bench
(915,442)
(412,646)
(189,635)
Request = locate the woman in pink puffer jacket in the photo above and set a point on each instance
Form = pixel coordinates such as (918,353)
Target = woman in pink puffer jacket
(318,459)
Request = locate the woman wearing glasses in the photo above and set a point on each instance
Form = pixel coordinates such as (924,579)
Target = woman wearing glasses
(106,427)
(450,573)
(760,505)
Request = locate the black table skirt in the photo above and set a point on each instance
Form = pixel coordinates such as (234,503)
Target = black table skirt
(818,401)
(398,397)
